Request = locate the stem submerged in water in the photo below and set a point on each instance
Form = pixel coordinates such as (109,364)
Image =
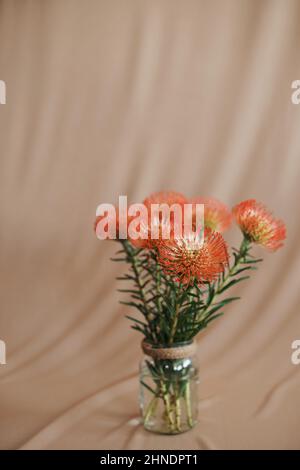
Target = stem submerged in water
(167,402)
(166,408)
(187,397)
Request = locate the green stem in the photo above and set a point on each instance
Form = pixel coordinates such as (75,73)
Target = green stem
(159,296)
(187,396)
(174,325)
(132,259)
(178,413)
(243,251)
(166,400)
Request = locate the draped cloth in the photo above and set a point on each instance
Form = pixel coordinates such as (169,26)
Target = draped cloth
(109,98)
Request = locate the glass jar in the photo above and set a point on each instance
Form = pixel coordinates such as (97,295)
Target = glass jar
(168,391)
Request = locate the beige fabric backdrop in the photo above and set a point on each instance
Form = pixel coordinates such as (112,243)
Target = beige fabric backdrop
(128,97)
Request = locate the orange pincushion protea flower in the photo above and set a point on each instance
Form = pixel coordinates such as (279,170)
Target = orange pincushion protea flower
(158,221)
(153,232)
(217,216)
(193,257)
(165,197)
(258,224)
(113,222)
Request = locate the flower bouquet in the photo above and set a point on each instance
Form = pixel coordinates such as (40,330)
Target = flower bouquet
(179,276)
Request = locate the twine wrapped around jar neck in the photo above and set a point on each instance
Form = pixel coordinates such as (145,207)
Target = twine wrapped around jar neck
(170,352)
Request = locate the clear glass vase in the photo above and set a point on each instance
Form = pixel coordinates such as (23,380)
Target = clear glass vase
(168,394)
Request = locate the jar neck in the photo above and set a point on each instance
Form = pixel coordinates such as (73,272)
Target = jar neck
(175,351)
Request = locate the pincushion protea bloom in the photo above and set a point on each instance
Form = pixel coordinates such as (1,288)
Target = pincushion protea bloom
(111,227)
(146,233)
(165,197)
(157,222)
(258,224)
(153,231)
(109,223)
(194,256)
(217,216)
